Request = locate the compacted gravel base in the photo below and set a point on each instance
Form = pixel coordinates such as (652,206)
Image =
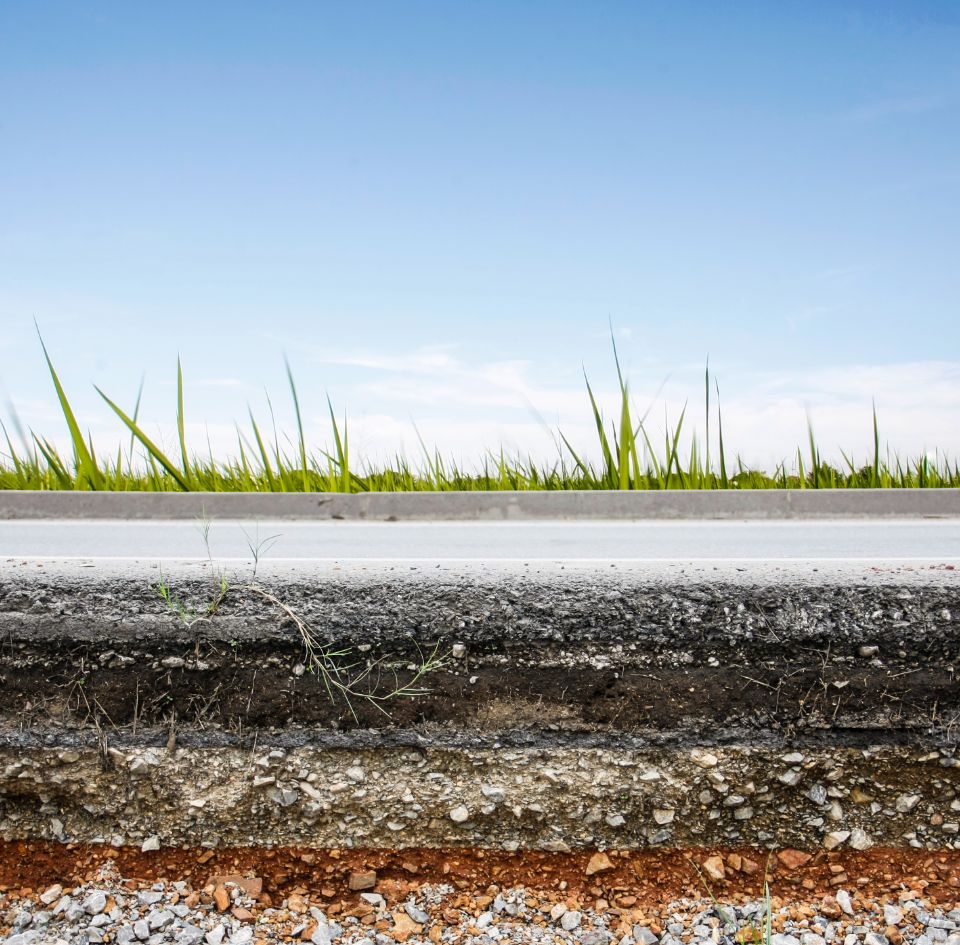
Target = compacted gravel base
(236,909)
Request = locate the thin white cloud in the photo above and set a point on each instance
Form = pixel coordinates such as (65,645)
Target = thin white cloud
(429,359)
(227,382)
(434,375)
(900,105)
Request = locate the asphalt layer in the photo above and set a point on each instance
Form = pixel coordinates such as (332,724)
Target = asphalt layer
(896,541)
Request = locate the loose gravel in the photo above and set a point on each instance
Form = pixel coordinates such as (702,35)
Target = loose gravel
(235,910)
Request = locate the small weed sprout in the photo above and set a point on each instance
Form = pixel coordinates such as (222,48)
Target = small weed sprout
(367,681)
(339,680)
(190,616)
(258,548)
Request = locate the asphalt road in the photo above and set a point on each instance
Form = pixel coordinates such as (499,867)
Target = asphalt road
(653,541)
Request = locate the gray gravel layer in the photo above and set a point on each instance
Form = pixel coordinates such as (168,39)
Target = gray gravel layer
(510,798)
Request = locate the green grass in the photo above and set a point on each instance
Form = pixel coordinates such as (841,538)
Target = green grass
(629,459)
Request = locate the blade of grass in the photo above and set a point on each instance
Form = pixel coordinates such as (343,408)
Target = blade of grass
(875,478)
(54,462)
(814,455)
(86,467)
(672,456)
(304,468)
(608,460)
(340,443)
(724,482)
(145,440)
(181,432)
(264,456)
(706,389)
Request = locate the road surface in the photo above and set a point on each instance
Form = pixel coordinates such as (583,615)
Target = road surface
(287,541)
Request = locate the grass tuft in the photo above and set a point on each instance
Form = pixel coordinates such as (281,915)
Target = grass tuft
(628,458)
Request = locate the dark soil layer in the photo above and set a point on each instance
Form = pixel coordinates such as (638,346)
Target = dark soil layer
(597,652)
(651,876)
(249,685)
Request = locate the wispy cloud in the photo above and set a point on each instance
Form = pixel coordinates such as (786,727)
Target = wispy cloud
(217,382)
(435,375)
(901,105)
(428,359)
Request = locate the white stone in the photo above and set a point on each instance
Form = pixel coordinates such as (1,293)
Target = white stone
(95,903)
(51,895)
(836,838)
(860,840)
(215,935)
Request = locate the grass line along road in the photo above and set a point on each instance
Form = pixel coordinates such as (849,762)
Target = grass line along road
(628,456)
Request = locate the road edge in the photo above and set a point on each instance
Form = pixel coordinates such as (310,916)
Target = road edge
(765,504)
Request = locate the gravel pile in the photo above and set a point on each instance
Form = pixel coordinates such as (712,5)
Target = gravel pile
(235,910)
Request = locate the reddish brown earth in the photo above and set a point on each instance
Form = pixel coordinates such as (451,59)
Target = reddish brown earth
(628,878)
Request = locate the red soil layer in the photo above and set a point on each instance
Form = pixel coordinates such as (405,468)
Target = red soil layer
(651,876)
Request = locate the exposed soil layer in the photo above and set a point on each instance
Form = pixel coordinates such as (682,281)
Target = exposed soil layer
(651,876)
(265,686)
(598,651)
(587,710)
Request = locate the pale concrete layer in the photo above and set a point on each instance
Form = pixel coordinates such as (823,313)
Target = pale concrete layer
(479,506)
(865,541)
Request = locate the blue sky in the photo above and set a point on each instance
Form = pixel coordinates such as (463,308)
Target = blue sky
(436,209)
